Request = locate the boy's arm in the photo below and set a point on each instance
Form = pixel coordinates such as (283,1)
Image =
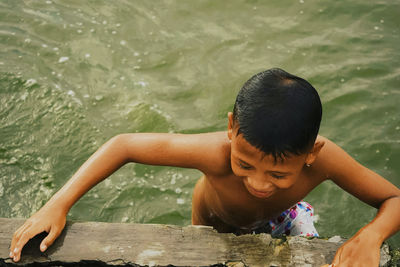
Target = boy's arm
(372,189)
(195,151)
(208,152)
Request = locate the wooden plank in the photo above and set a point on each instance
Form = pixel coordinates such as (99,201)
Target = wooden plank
(166,245)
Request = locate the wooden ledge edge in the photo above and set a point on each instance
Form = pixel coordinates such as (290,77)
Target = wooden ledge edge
(126,244)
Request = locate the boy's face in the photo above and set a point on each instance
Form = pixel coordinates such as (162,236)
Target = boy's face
(262,175)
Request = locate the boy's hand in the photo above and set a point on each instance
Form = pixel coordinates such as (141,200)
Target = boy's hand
(363,249)
(49,219)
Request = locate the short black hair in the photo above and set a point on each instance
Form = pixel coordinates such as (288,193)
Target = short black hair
(278,113)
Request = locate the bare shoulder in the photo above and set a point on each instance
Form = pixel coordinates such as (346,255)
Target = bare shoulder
(219,150)
(207,152)
(338,166)
(211,152)
(330,156)
(334,162)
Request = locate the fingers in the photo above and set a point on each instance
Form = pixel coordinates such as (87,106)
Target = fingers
(24,234)
(22,239)
(48,241)
(17,236)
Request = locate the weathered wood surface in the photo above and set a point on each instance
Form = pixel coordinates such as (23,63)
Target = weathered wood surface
(166,245)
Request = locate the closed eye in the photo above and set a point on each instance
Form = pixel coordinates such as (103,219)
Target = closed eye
(276,176)
(244,166)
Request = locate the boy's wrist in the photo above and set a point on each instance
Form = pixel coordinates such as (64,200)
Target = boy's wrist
(372,232)
(386,222)
(59,203)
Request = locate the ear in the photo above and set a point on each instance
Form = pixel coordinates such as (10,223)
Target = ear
(314,152)
(230,125)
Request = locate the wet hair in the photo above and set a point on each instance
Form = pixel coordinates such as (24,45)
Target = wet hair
(278,113)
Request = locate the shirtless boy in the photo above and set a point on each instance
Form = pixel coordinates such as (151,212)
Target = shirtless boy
(255,174)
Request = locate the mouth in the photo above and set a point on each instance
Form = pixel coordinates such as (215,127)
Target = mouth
(259,194)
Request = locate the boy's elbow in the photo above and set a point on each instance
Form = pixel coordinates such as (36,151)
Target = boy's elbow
(121,136)
(396,195)
(118,139)
(122,139)
(120,144)
(392,199)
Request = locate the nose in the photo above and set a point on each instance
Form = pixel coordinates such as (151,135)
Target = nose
(260,183)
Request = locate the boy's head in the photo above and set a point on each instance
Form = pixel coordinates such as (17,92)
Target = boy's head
(278,113)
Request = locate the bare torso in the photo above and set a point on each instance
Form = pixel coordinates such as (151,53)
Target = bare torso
(222,201)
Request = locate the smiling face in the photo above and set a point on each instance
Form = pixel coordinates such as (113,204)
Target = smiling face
(262,175)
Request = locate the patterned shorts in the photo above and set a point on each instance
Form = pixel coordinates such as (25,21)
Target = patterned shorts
(298,220)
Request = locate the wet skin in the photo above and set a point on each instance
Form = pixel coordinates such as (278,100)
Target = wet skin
(242,188)
(254,189)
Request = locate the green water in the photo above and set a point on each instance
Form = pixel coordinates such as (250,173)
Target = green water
(75,73)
